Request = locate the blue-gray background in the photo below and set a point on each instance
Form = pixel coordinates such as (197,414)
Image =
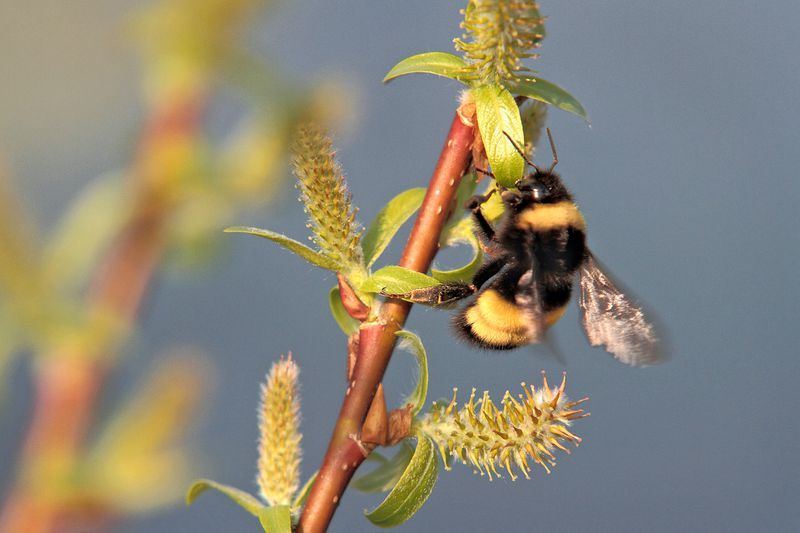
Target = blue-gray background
(688,178)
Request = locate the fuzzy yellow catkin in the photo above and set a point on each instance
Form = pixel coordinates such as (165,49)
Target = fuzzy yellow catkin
(279,446)
(498,35)
(325,197)
(528,428)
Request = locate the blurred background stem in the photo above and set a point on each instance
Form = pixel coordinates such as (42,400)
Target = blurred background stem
(76,301)
(68,382)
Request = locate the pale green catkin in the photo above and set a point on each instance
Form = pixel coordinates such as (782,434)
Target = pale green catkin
(279,446)
(498,35)
(528,428)
(326,198)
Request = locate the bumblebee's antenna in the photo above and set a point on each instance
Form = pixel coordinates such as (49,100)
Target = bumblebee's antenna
(553,148)
(484,172)
(520,152)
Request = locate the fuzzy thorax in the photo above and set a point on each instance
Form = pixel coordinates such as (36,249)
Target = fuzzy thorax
(527,428)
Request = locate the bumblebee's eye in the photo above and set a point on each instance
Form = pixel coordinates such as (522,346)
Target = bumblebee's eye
(529,185)
(525,184)
(539,191)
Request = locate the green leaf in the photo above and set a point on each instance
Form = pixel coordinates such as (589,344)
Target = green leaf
(397,280)
(276,519)
(461,274)
(549,93)
(292,245)
(437,63)
(493,209)
(466,188)
(347,324)
(301,497)
(498,114)
(387,474)
(459,230)
(461,233)
(86,230)
(245,500)
(411,342)
(388,221)
(411,490)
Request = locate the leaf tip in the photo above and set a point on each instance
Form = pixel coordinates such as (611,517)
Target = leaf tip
(235,229)
(195,490)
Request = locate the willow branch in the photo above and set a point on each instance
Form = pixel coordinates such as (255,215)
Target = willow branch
(345,451)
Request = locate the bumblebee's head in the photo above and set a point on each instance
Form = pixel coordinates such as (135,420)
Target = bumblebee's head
(538,187)
(542,187)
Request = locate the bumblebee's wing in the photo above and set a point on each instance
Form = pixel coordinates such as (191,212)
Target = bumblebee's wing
(612,320)
(552,349)
(528,297)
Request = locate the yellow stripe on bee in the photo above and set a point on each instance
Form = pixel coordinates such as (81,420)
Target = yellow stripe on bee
(498,312)
(497,321)
(495,337)
(543,217)
(554,315)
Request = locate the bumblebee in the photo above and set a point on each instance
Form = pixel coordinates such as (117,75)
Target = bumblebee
(525,283)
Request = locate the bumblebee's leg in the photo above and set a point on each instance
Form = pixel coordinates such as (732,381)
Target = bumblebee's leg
(486,231)
(488,270)
(448,294)
(442,295)
(511,199)
(484,172)
(475,202)
(506,279)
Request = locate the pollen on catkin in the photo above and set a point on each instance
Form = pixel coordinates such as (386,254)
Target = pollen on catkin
(498,35)
(328,203)
(527,428)
(279,445)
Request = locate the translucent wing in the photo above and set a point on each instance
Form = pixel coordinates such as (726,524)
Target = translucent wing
(613,321)
(529,299)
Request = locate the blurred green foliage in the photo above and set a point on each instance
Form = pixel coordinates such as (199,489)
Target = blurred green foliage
(188,185)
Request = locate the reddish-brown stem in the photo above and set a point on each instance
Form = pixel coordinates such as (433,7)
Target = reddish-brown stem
(68,381)
(376,342)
